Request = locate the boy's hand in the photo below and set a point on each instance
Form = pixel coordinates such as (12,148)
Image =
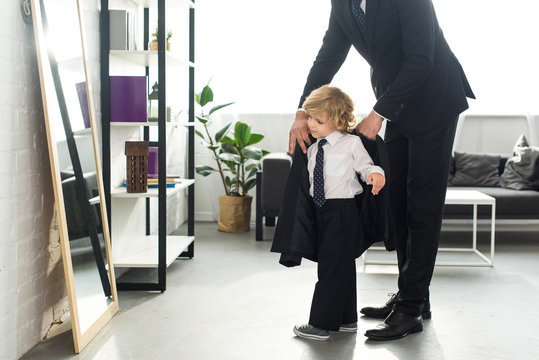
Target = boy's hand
(377,181)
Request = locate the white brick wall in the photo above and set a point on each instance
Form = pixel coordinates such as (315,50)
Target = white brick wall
(32,283)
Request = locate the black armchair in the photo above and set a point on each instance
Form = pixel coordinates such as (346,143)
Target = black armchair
(270,186)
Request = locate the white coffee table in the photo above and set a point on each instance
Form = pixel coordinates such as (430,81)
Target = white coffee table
(460,197)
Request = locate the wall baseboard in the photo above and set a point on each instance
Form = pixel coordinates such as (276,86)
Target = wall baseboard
(204,216)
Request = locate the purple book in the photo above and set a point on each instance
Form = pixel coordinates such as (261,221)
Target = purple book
(153,157)
(128,99)
(83,101)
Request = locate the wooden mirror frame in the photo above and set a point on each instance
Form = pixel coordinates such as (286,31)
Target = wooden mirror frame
(80,339)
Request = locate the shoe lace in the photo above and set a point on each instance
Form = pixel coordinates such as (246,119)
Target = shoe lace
(304,327)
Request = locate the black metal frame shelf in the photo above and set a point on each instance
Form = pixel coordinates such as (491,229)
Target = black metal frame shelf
(150,59)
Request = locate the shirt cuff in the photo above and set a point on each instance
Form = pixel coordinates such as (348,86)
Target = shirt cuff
(381,115)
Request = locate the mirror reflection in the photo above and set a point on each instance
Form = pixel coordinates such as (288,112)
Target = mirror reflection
(70,126)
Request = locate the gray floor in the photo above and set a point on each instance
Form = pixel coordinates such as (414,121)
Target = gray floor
(234,301)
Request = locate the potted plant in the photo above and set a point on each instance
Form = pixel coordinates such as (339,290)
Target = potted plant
(154,43)
(237,162)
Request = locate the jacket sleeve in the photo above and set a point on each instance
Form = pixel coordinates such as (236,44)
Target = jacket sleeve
(335,48)
(418,33)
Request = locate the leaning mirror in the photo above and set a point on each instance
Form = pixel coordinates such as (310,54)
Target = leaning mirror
(75,166)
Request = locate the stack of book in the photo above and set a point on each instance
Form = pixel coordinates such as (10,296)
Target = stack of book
(154,182)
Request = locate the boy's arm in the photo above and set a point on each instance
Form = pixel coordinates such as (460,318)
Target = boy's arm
(363,163)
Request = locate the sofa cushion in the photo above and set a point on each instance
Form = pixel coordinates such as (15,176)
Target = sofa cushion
(522,170)
(476,170)
(510,204)
(521,142)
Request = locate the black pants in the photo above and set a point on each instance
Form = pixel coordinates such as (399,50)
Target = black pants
(419,165)
(335,300)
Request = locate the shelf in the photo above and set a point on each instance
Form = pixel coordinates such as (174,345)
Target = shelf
(144,251)
(149,58)
(131,214)
(82,132)
(121,192)
(95,200)
(149,123)
(153,3)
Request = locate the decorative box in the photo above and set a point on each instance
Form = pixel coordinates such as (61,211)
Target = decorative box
(128,99)
(136,180)
(153,160)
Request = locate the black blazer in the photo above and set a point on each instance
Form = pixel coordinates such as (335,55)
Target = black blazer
(296,231)
(417,80)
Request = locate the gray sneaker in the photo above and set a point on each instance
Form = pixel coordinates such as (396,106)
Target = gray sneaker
(310,332)
(351,328)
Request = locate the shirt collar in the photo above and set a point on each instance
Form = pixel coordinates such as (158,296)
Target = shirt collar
(334,137)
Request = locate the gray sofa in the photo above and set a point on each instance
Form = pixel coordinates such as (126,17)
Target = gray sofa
(511,203)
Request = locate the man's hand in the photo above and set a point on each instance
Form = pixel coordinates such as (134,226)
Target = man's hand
(371,125)
(378,181)
(299,131)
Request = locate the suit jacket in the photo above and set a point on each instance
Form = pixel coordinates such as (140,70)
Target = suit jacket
(417,80)
(296,231)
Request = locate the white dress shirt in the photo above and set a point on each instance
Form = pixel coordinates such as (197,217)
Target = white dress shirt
(344,158)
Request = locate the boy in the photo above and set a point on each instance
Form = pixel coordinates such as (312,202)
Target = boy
(333,164)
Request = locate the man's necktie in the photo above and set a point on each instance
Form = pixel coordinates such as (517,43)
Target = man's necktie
(318,176)
(359,14)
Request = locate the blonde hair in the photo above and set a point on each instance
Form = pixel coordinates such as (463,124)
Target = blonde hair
(336,103)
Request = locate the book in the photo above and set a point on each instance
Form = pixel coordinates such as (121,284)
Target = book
(119,30)
(154,182)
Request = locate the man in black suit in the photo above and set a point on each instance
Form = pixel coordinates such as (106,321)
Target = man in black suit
(420,89)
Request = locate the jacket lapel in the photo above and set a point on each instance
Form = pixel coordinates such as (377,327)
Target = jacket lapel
(343,11)
(372,11)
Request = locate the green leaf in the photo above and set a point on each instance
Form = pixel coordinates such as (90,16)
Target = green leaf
(227,140)
(218,107)
(249,184)
(230,157)
(231,149)
(231,166)
(255,138)
(200,134)
(197,98)
(242,133)
(202,120)
(252,153)
(204,170)
(252,173)
(206,96)
(265,152)
(213,147)
(251,166)
(222,132)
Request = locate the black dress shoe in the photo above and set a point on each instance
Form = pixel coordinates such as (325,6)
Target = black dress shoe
(383,311)
(397,325)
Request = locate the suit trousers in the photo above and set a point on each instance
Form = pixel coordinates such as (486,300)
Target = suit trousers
(419,165)
(335,300)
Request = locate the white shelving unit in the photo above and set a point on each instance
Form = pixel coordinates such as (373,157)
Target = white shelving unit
(121,192)
(144,254)
(148,58)
(132,246)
